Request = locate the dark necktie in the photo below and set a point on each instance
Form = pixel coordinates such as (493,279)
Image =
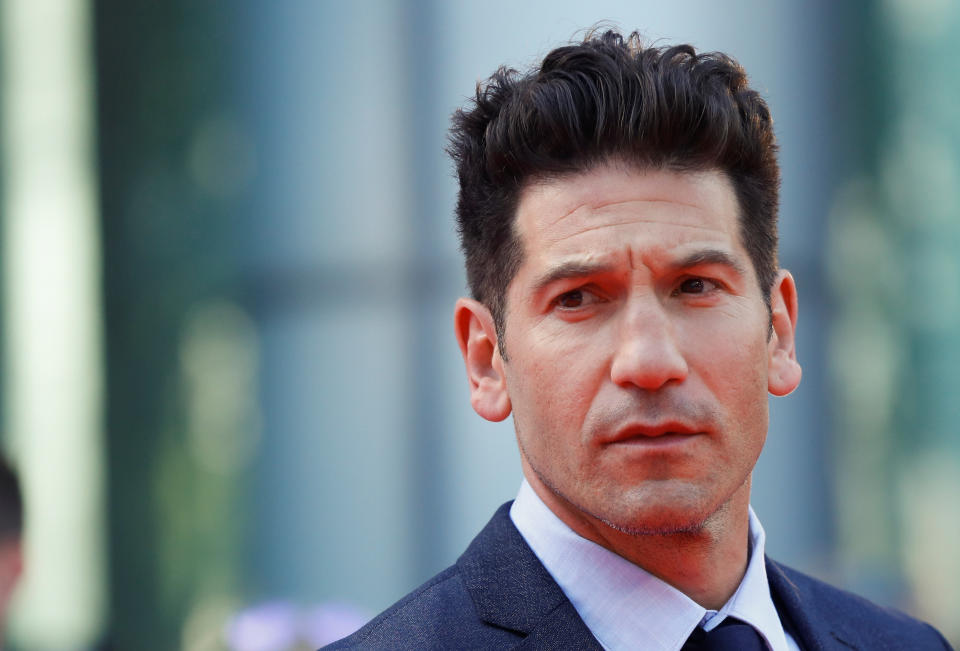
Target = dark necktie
(731,635)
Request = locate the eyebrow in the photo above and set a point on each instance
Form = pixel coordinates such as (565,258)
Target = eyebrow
(711,256)
(572,269)
(580,269)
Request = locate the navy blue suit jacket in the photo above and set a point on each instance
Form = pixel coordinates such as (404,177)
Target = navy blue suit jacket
(499,596)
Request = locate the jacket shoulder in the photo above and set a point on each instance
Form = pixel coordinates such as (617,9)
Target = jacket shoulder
(438,615)
(816,608)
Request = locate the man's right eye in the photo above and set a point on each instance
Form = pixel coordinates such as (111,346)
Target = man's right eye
(570,300)
(578,298)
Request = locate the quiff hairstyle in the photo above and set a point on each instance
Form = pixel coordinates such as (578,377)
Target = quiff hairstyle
(608,99)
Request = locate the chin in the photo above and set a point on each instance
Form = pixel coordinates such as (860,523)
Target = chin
(660,516)
(657,526)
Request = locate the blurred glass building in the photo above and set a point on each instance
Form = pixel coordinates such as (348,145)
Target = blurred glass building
(230,381)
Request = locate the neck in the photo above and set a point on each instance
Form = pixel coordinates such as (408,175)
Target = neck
(706,564)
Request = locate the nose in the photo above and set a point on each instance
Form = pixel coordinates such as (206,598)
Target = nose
(648,355)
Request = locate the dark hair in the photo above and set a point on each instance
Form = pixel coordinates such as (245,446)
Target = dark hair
(605,99)
(11,503)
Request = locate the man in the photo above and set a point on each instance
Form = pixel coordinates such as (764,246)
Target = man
(11,535)
(618,211)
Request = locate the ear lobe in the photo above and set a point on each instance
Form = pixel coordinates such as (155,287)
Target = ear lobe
(783,369)
(477,338)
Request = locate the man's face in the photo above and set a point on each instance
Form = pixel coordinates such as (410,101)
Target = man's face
(639,348)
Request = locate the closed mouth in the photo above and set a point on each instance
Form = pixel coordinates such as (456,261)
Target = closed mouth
(666,438)
(658,434)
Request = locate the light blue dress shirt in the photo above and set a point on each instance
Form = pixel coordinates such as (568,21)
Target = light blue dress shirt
(626,607)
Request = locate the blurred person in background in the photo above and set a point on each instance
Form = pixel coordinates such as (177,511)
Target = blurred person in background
(618,214)
(11,533)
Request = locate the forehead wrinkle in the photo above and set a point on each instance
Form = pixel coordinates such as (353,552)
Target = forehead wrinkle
(672,202)
(596,207)
(587,229)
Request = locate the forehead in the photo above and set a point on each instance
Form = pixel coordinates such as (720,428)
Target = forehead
(617,206)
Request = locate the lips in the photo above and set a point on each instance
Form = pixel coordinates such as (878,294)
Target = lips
(649,433)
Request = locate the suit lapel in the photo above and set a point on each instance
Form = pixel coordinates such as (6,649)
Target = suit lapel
(795,615)
(562,628)
(511,589)
(816,626)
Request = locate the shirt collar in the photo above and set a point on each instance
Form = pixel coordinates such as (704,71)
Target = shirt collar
(626,607)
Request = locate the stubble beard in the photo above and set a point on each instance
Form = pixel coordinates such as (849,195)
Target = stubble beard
(628,524)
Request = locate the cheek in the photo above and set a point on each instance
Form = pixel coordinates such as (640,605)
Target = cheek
(732,363)
(542,390)
(732,349)
(552,388)
(748,412)
(740,383)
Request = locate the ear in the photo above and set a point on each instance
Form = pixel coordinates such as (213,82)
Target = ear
(783,370)
(477,337)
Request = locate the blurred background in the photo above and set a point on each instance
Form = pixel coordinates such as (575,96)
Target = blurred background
(229,378)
